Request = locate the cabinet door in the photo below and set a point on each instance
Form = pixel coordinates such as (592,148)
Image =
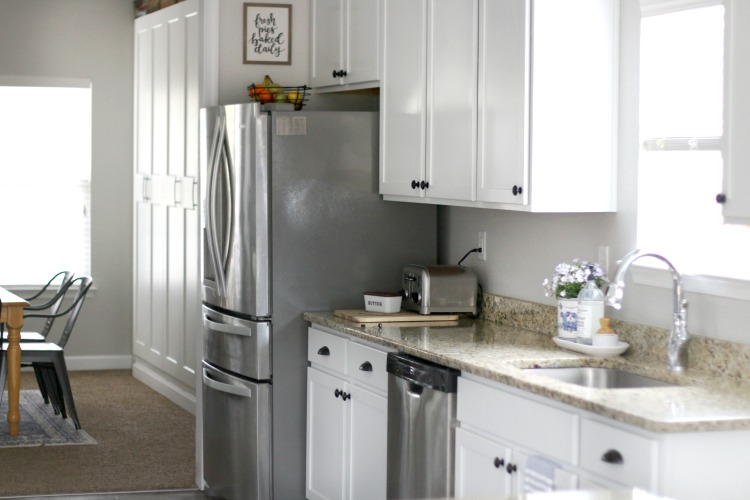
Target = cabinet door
(736,188)
(327,47)
(481,466)
(362,47)
(168,50)
(326,427)
(402,98)
(503,144)
(452,99)
(368,444)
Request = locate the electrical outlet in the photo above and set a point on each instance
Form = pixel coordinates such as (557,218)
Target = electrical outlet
(483,245)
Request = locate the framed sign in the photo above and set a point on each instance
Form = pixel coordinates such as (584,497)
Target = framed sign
(267,33)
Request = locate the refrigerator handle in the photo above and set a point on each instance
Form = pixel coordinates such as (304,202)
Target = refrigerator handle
(228,388)
(213,243)
(228,172)
(223,327)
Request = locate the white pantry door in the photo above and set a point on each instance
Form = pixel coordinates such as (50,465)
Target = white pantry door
(171,77)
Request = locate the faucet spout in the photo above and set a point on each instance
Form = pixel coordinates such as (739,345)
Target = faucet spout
(678,337)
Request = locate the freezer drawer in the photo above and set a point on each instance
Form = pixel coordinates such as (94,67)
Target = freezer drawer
(237,345)
(236,436)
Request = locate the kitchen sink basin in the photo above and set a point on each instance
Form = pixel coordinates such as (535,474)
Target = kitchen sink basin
(600,378)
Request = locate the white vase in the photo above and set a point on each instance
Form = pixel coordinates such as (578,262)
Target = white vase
(567,318)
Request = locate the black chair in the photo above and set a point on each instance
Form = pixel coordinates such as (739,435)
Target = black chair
(52,306)
(48,357)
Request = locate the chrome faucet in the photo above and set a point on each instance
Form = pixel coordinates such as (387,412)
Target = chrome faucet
(676,352)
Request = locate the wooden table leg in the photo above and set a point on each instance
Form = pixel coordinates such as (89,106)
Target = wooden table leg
(13,358)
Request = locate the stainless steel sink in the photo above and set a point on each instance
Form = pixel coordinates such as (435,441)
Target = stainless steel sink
(600,378)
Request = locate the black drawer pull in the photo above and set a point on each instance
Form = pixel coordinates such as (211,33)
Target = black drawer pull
(499,462)
(511,468)
(366,366)
(324,351)
(613,457)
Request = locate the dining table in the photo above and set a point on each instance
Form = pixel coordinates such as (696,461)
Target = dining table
(11,314)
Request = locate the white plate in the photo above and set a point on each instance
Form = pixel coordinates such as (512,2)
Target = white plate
(591,350)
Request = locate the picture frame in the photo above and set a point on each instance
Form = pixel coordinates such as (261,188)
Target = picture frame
(267,33)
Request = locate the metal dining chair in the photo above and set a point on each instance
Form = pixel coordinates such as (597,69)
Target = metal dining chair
(52,306)
(48,357)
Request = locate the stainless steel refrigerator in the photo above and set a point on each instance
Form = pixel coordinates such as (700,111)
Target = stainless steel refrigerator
(291,222)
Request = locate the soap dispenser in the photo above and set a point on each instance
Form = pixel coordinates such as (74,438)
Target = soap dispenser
(590,309)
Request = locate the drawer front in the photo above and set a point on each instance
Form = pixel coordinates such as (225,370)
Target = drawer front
(534,425)
(326,349)
(367,365)
(619,455)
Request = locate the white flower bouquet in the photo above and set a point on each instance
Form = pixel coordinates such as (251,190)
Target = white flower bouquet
(568,279)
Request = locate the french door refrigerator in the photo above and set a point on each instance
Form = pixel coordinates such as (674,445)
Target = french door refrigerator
(291,221)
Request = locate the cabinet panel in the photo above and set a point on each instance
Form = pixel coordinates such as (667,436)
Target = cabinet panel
(326,53)
(326,420)
(363,27)
(549,430)
(403,97)
(170,73)
(619,455)
(480,466)
(736,184)
(366,365)
(452,99)
(368,444)
(504,83)
(326,350)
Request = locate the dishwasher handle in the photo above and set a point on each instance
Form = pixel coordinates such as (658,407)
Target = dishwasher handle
(237,390)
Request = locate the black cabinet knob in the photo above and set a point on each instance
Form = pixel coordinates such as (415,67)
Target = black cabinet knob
(424,185)
(338,392)
(499,462)
(366,366)
(324,351)
(414,184)
(511,468)
(517,190)
(721,198)
(345,395)
(343,73)
(613,457)
(339,74)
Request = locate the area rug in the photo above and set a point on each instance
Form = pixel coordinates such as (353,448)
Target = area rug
(39,425)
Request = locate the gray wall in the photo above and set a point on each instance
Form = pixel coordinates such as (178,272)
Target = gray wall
(91,39)
(523,249)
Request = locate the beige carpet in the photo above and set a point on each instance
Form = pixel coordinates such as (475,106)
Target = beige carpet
(144,442)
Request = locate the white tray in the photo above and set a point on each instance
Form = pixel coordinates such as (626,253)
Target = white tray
(591,350)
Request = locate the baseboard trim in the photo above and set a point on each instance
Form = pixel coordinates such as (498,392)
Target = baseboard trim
(164,386)
(80,363)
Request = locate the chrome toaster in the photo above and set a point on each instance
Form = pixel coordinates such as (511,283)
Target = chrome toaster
(439,289)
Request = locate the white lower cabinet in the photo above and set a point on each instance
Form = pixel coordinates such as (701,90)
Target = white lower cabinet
(347,418)
(506,435)
(483,466)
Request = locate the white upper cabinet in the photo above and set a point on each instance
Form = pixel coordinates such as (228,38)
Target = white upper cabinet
(428,99)
(736,191)
(346,39)
(531,122)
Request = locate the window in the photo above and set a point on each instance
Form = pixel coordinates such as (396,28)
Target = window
(45,180)
(680,166)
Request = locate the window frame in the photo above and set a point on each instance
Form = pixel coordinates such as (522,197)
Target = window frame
(57,82)
(643,273)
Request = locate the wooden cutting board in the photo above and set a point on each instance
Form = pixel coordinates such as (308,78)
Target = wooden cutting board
(362,316)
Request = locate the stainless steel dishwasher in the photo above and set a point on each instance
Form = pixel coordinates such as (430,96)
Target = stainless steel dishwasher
(421,427)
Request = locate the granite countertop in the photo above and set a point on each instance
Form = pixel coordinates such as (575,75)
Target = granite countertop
(499,352)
